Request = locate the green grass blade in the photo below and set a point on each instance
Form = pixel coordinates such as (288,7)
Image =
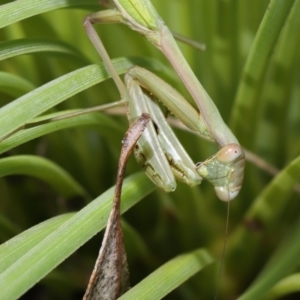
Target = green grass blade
(264,212)
(255,69)
(169,276)
(42,169)
(20,10)
(135,245)
(272,199)
(19,245)
(7,229)
(46,255)
(280,263)
(284,287)
(25,108)
(18,47)
(271,122)
(13,85)
(98,121)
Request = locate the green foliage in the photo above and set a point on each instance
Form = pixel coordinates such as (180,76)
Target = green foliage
(51,171)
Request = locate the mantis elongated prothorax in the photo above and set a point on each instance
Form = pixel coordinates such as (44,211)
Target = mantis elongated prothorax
(158,150)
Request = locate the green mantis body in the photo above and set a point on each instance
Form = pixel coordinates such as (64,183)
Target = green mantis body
(224,169)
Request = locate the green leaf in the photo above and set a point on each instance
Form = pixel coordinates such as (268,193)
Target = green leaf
(7,228)
(46,254)
(246,101)
(284,287)
(271,121)
(18,246)
(263,214)
(14,85)
(38,45)
(100,121)
(25,108)
(169,276)
(268,205)
(42,169)
(19,10)
(282,261)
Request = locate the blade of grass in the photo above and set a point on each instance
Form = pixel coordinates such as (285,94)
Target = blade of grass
(20,10)
(7,229)
(18,47)
(25,108)
(278,86)
(261,215)
(286,286)
(19,245)
(282,261)
(46,255)
(255,68)
(42,169)
(169,276)
(98,121)
(14,85)
(19,112)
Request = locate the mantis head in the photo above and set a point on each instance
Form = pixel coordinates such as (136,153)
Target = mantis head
(225,171)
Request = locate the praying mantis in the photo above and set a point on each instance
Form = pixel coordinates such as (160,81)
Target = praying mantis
(158,150)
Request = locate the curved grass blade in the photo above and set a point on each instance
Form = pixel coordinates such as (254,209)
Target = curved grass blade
(262,214)
(42,169)
(255,69)
(277,90)
(284,287)
(7,229)
(19,245)
(20,10)
(279,265)
(18,47)
(136,247)
(272,199)
(169,276)
(14,85)
(25,108)
(98,121)
(46,255)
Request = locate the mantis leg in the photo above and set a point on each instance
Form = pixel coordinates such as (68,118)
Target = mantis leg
(163,138)
(149,152)
(224,170)
(141,16)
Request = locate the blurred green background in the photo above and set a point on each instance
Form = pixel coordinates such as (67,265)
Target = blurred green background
(251,69)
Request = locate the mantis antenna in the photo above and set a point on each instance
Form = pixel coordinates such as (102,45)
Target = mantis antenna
(223,253)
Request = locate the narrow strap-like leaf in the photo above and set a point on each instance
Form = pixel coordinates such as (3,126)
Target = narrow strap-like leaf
(255,68)
(169,276)
(43,169)
(45,255)
(20,10)
(25,108)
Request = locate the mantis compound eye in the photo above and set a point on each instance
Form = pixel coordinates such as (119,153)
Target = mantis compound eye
(232,156)
(230,153)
